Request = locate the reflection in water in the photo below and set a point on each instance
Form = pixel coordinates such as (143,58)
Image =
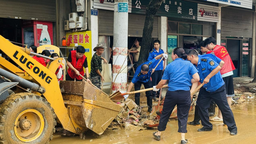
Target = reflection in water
(245,114)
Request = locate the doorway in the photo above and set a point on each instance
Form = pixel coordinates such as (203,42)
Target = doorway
(11,29)
(233,47)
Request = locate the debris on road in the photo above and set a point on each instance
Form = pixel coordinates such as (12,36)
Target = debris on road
(132,117)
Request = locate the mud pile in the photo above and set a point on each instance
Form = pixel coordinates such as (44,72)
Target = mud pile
(132,117)
(242,95)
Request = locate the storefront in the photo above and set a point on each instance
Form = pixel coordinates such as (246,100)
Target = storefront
(237,31)
(175,11)
(188,23)
(188,34)
(28,22)
(106,25)
(82,38)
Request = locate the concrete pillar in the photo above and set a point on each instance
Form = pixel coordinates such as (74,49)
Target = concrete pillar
(119,81)
(94,29)
(218,35)
(93,24)
(253,45)
(164,23)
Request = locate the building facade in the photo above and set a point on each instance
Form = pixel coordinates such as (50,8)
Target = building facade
(30,22)
(185,24)
(178,23)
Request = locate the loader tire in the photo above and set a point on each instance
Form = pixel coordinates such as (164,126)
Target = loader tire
(26,118)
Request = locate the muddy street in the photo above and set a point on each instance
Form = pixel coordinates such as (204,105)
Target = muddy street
(244,113)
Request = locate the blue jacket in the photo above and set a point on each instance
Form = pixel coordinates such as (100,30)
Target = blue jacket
(138,76)
(205,66)
(152,55)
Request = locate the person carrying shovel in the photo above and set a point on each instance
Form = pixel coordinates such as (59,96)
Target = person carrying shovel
(158,70)
(213,89)
(142,76)
(180,75)
(77,61)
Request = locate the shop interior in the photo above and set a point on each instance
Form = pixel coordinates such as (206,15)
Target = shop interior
(240,53)
(11,29)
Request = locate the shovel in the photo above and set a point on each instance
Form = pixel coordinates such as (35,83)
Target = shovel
(85,79)
(158,117)
(202,84)
(118,95)
(157,64)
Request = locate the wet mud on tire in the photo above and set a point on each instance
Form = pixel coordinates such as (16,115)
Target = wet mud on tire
(26,118)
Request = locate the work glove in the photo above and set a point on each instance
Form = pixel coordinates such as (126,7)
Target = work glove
(165,56)
(155,89)
(126,96)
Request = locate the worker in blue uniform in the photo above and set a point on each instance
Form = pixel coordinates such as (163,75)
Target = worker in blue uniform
(213,89)
(180,75)
(142,76)
(158,71)
(196,115)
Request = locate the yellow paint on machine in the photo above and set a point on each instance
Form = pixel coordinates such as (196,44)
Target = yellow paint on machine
(44,76)
(51,48)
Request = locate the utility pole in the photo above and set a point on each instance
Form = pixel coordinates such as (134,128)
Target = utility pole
(119,81)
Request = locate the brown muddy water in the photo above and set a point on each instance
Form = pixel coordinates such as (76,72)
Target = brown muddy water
(245,116)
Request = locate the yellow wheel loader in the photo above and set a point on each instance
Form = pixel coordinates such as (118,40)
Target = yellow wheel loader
(32,100)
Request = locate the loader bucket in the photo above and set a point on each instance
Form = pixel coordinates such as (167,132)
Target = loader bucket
(90,107)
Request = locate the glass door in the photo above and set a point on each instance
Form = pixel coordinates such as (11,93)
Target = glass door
(234,50)
(245,57)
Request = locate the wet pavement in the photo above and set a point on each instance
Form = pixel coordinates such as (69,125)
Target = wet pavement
(245,114)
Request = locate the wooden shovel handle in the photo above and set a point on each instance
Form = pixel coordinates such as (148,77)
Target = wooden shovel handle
(158,63)
(144,90)
(85,79)
(197,88)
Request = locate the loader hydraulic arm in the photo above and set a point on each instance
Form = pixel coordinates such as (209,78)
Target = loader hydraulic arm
(44,76)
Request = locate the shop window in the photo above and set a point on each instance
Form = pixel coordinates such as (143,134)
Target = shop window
(191,42)
(172,27)
(197,29)
(184,28)
(208,29)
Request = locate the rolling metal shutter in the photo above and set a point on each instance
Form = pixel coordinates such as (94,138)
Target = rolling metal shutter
(43,10)
(135,26)
(236,23)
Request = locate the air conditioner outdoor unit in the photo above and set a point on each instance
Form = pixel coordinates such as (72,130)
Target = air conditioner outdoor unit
(80,22)
(80,5)
(72,17)
(66,26)
(72,25)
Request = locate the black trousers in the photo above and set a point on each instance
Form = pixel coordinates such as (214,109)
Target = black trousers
(182,100)
(219,97)
(149,94)
(197,116)
(156,78)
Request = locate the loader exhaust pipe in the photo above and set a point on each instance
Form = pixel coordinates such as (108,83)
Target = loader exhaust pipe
(22,82)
